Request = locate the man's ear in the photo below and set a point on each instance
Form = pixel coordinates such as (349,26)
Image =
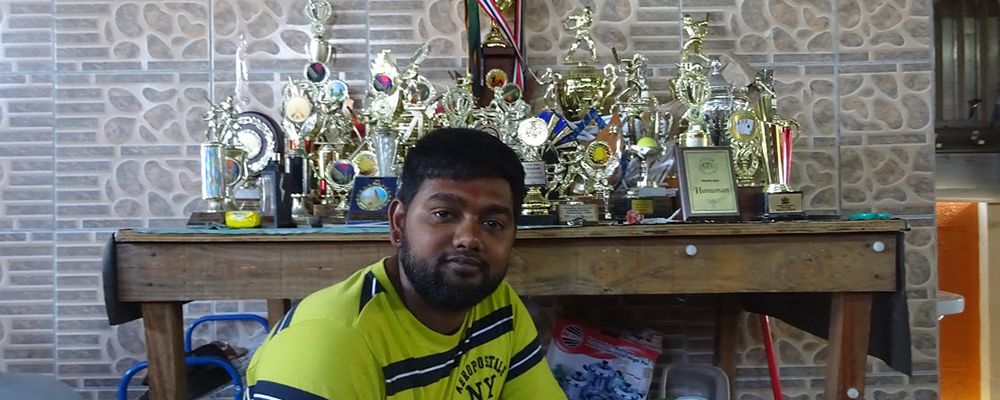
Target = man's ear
(397,218)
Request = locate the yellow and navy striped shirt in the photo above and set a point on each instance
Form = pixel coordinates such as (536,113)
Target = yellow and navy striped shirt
(357,340)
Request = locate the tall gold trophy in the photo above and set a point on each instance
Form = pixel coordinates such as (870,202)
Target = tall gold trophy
(584,86)
(780,200)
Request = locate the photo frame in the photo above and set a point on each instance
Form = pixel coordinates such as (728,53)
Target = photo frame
(370,198)
(707,184)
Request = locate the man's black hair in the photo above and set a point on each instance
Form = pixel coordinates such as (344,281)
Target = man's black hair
(461,154)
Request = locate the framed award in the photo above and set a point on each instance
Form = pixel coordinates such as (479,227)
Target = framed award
(370,198)
(707,184)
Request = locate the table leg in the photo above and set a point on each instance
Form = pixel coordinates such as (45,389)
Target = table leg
(850,318)
(164,323)
(276,310)
(726,335)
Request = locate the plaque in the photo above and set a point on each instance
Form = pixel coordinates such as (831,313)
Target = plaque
(707,184)
(370,199)
(569,212)
(783,206)
(534,173)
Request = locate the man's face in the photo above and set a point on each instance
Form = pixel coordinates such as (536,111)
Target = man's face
(455,240)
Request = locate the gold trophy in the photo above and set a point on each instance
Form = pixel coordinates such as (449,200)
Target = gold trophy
(382,112)
(532,137)
(495,37)
(780,200)
(584,86)
(692,88)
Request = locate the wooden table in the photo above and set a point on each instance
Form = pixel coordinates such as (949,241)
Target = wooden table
(851,260)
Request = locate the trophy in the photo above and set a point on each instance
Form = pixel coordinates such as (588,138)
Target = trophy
(498,58)
(212,159)
(744,135)
(584,87)
(720,104)
(691,88)
(458,103)
(382,111)
(532,136)
(780,200)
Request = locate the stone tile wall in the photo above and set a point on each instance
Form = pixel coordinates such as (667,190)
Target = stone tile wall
(99,125)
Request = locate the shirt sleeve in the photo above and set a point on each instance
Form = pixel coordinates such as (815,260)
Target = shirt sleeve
(528,376)
(315,360)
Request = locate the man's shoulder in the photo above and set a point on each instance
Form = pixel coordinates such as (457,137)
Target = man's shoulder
(342,301)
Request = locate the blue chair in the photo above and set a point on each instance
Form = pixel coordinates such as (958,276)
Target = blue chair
(234,375)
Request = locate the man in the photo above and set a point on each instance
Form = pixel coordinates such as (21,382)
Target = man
(436,321)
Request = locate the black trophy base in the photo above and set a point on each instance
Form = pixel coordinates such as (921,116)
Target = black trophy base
(783,206)
(201,219)
(536,220)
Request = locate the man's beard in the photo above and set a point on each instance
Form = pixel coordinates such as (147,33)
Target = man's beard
(430,283)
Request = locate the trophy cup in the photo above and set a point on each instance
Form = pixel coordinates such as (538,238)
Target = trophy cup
(584,86)
(213,181)
(719,106)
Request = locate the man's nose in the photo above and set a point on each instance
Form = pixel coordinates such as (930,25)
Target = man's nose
(467,235)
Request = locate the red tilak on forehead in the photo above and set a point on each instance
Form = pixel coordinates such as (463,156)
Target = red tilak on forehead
(474,192)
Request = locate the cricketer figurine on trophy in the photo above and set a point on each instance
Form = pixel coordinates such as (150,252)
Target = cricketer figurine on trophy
(418,99)
(643,126)
(583,87)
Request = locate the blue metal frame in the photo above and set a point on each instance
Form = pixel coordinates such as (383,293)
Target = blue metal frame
(225,317)
(199,361)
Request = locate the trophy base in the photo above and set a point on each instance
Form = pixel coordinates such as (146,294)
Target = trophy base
(536,220)
(648,192)
(659,205)
(783,206)
(751,201)
(207,219)
(576,211)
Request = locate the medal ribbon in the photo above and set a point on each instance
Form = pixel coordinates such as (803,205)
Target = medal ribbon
(512,35)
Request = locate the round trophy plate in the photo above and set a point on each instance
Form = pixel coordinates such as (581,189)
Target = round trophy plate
(598,153)
(421,92)
(366,163)
(533,131)
(257,136)
(383,83)
(496,78)
(373,197)
(316,72)
(337,90)
(341,172)
(297,108)
(742,126)
(510,92)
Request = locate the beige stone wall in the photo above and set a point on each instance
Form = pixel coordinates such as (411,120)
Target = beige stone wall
(99,126)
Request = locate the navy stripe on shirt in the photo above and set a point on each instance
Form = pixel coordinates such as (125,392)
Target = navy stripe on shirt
(267,390)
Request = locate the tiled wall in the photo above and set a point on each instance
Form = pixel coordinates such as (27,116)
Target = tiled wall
(100,104)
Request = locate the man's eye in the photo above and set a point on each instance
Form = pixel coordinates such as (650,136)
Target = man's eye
(441,214)
(493,224)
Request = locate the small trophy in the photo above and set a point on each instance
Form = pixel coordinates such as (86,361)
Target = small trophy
(532,135)
(382,112)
